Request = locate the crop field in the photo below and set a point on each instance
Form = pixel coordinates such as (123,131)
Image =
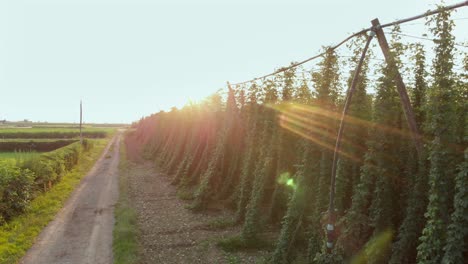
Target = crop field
(18,155)
(39,145)
(43,139)
(51,133)
(34,140)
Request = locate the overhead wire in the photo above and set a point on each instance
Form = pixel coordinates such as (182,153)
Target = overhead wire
(424,38)
(423,23)
(361,32)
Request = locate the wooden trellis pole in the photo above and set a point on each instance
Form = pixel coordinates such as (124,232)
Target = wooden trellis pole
(409,114)
(331,233)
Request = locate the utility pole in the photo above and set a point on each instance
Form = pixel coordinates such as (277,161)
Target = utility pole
(81,122)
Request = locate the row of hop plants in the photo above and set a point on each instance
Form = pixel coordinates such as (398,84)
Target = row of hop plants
(21,180)
(265,152)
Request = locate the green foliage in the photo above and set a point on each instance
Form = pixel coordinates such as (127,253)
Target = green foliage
(441,117)
(404,249)
(220,171)
(20,180)
(35,133)
(16,186)
(221,223)
(456,246)
(419,92)
(283,155)
(376,249)
(182,169)
(248,165)
(356,222)
(291,222)
(327,90)
(328,258)
(203,192)
(237,243)
(19,156)
(252,222)
(49,167)
(296,219)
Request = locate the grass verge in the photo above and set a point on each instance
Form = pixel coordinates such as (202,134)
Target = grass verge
(221,223)
(18,235)
(237,243)
(125,234)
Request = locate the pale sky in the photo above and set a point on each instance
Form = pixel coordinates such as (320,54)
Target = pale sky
(129,58)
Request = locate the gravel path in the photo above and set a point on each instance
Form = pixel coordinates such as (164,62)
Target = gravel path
(170,233)
(82,231)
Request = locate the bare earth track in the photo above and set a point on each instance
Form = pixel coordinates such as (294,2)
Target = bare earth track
(82,231)
(169,232)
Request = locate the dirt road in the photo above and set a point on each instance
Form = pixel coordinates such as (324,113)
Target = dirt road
(82,230)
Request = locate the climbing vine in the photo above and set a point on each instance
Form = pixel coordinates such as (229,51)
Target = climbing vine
(265,152)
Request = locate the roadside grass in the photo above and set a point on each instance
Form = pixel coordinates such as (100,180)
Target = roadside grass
(232,259)
(185,194)
(221,223)
(237,243)
(18,235)
(125,233)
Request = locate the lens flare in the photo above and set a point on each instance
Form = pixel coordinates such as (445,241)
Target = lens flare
(314,127)
(286,179)
(376,248)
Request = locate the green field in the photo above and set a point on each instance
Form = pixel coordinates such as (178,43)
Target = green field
(52,129)
(44,139)
(62,132)
(32,139)
(36,132)
(18,155)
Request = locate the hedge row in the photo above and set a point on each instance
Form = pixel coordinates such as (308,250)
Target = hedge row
(16,186)
(21,180)
(40,146)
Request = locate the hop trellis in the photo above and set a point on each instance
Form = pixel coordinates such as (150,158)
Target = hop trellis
(267,153)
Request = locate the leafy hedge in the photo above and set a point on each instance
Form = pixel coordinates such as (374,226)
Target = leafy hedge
(16,185)
(20,180)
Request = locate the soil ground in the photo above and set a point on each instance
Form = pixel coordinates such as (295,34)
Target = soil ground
(169,232)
